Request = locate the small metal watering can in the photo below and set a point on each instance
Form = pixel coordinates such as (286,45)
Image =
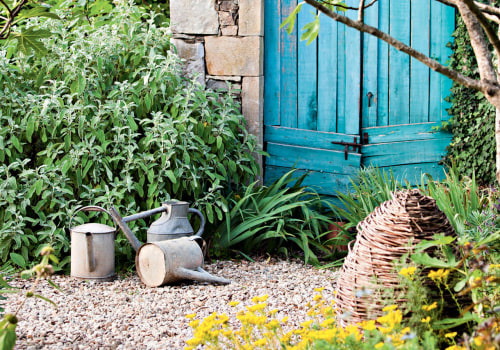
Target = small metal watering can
(92,249)
(172,252)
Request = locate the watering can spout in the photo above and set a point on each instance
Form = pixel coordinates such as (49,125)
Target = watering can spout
(200,275)
(136,244)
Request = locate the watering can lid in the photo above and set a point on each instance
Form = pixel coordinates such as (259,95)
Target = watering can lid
(93,228)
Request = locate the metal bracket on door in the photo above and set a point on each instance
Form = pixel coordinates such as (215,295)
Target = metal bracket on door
(355,146)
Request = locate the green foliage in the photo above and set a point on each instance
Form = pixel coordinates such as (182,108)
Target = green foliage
(369,188)
(106,119)
(275,217)
(473,123)
(459,197)
(42,270)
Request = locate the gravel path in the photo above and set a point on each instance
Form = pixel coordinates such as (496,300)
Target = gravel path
(125,314)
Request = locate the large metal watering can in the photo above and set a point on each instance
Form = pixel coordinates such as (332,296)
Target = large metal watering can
(172,252)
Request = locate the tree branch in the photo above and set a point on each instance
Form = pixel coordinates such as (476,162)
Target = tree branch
(478,43)
(345,7)
(488,29)
(482,86)
(361,11)
(484,8)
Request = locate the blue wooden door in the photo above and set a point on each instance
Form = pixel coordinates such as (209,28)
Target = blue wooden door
(403,100)
(347,88)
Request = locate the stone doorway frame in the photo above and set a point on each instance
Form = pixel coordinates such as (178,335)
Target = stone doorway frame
(223,41)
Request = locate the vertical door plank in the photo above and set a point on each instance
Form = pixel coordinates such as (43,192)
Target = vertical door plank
(288,105)
(272,62)
(383,67)
(399,64)
(435,53)
(353,75)
(448,24)
(419,78)
(341,71)
(370,69)
(307,74)
(327,75)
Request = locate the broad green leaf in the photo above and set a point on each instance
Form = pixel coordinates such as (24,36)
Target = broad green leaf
(171,176)
(78,85)
(39,186)
(290,20)
(454,322)
(311,31)
(38,11)
(30,127)
(16,143)
(8,337)
(18,259)
(28,40)
(426,260)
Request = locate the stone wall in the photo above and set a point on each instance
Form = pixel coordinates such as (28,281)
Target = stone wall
(222,41)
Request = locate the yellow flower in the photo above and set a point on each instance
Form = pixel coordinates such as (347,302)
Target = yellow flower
(390,308)
(318,297)
(194,323)
(379,345)
(260,342)
(408,272)
(260,299)
(306,323)
(455,347)
(233,303)
(191,316)
(430,307)
(426,320)
(439,276)
(256,307)
(475,282)
(450,335)
(478,341)
(368,325)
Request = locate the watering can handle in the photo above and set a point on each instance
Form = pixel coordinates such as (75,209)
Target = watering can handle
(202,221)
(93,208)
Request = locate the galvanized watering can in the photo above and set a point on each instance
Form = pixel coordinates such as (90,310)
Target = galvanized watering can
(172,224)
(172,252)
(92,249)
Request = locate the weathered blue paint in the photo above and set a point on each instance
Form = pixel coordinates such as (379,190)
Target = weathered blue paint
(319,94)
(272,63)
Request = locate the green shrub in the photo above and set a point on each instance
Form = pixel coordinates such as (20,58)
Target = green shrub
(105,119)
(274,218)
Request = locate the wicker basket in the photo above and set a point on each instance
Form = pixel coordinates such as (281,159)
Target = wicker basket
(388,233)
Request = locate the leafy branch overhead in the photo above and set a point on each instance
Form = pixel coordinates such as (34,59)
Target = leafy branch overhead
(481,20)
(12,13)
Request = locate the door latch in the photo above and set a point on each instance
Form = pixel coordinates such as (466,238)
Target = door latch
(355,146)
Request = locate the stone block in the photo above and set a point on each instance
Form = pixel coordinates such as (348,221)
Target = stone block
(230,30)
(193,55)
(226,18)
(252,104)
(251,17)
(234,55)
(194,17)
(229,6)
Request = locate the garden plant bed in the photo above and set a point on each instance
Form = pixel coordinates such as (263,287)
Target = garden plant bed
(125,314)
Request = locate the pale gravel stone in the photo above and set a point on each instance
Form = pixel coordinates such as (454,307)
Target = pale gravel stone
(125,314)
